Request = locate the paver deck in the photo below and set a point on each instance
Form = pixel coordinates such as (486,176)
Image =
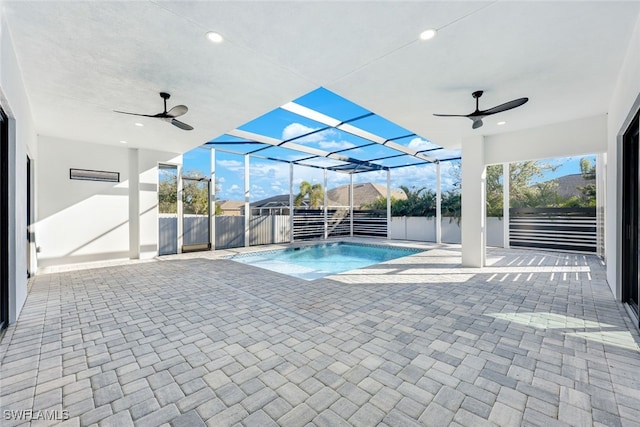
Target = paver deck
(533,339)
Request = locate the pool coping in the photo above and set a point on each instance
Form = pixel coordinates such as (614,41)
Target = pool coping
(220,254)
(410,249)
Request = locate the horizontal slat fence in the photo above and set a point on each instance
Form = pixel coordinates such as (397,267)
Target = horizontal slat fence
(309,223)
(371,223)
(563,229)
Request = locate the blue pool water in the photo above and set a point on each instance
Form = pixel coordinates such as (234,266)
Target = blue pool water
(313,262)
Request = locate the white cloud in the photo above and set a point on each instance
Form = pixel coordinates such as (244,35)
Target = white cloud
(296,129)
(234,190)
(420,144)
(232,165)
(335,145)
(274,171)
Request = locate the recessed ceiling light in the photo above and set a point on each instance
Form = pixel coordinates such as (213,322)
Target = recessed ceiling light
(139,124)
(214,37)
(428,34)
(501,123)
(123,142)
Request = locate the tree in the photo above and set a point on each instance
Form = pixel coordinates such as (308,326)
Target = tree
(588,192)
(451,204)
(195,193)
(420,202)
(523,192)
(494,191)
(315,194)
(587,169)
(167,192)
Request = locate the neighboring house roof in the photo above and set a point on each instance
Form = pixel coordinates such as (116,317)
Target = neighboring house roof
(281,200)
(568,184)
(230,205)
(363,194)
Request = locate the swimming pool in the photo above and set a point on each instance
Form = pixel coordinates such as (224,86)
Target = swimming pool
(314,262)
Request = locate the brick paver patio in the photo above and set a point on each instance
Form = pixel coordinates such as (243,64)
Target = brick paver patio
(534,339)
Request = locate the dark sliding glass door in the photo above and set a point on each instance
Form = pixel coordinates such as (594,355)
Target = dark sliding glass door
(4,221)
(631,215)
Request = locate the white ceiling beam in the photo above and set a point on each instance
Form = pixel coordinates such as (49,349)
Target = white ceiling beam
(353,130)
(301,148)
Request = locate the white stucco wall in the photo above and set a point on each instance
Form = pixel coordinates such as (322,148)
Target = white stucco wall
(22,141)
(573,138)
(625,102)
(82,221)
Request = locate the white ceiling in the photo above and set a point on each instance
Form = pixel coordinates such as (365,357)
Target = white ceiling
(81,60)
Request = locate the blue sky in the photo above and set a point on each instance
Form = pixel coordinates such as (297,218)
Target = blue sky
(269,178)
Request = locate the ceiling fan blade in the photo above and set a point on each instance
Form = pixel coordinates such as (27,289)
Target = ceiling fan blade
(506,106)
(134,114)
(477,123)
(177,111)
(451,115)
(181,125)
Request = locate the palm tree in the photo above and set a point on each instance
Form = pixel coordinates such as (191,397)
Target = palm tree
(315,193)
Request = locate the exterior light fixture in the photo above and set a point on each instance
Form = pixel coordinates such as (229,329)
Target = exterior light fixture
(139,124)
(428,34)
(123,142)
(214,37)
(501,123)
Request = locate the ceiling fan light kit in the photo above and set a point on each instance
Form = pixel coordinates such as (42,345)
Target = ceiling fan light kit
(167,116)
(479,114)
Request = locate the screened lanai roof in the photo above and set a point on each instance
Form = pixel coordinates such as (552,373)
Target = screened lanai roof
(324,130)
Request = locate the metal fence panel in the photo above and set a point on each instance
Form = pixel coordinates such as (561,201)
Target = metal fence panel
(167,234)
(196,230)
(269,229)
(229,231)
(563,229)
(370,223)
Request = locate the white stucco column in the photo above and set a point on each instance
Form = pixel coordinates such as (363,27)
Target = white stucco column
(388,203)
(179,208)
(212,201)
(506,182)
(134,204)
(473,202)
(291,207)
(351,205)
(324,204)
(247,205)
(438,203)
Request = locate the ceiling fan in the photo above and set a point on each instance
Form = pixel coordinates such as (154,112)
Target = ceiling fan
(478,115)
(167,116)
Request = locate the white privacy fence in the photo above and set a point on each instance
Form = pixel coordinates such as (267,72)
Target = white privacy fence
(263,230)
(270,229)
(195,231)
(423,229)
(230,232)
